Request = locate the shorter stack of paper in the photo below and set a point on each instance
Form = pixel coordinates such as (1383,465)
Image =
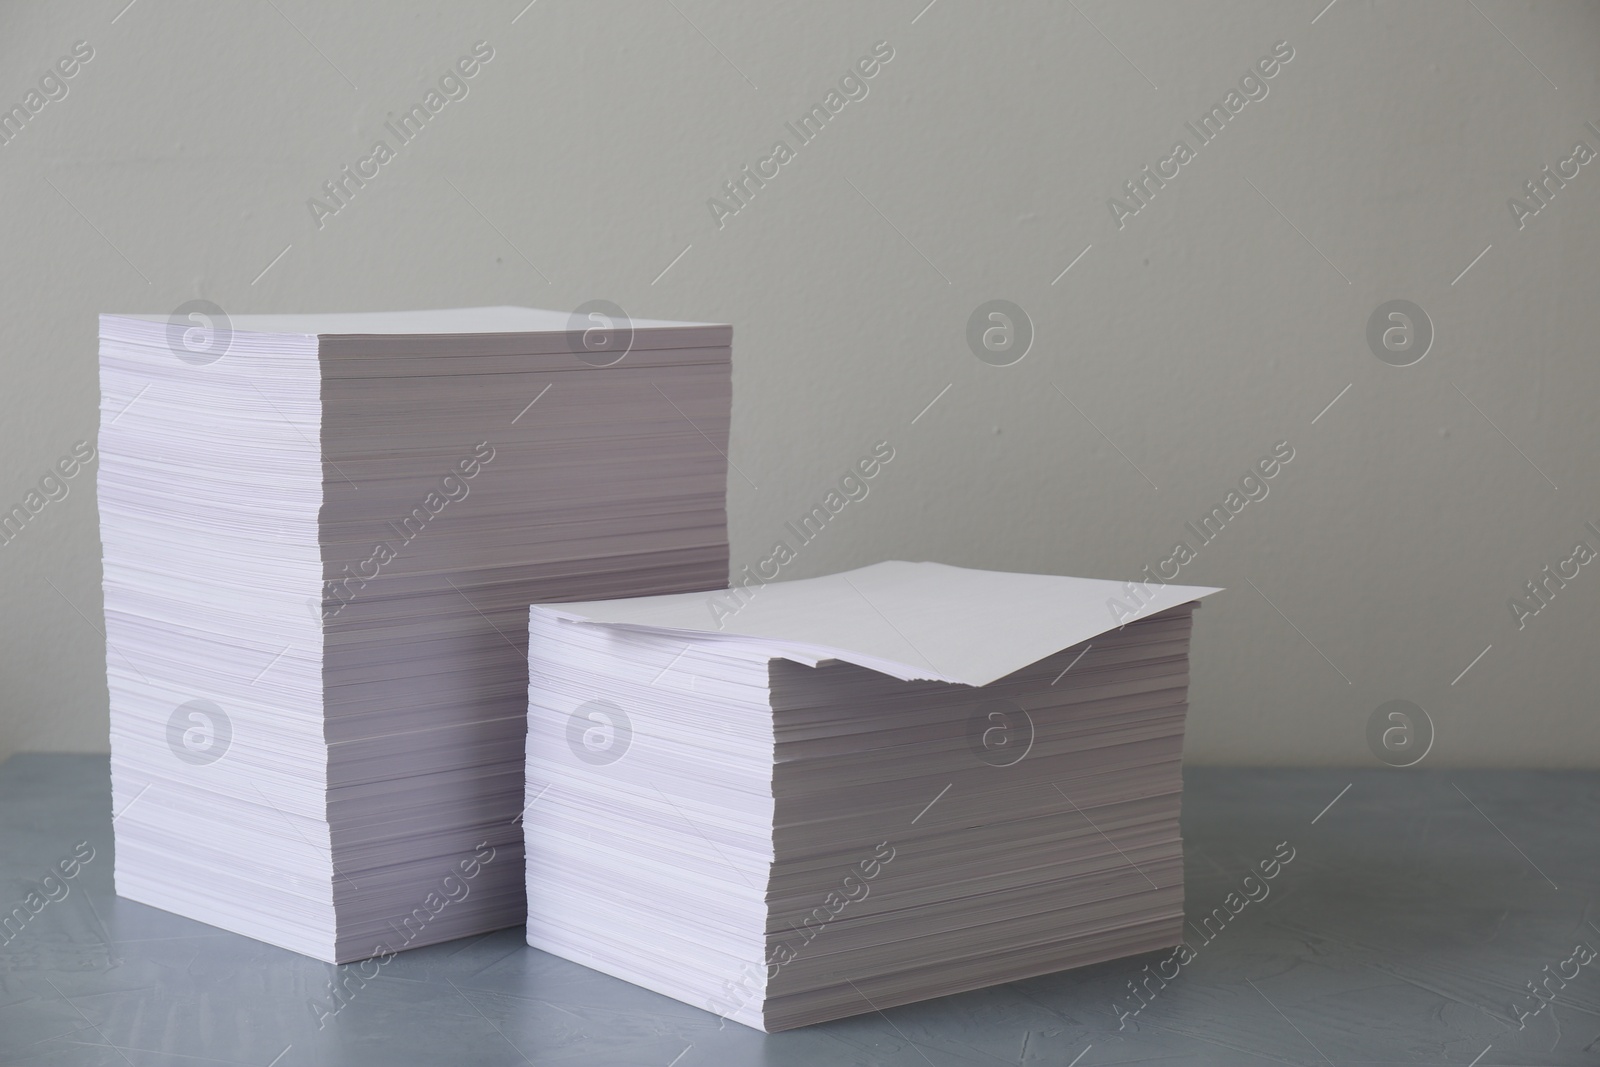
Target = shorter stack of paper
(812,799)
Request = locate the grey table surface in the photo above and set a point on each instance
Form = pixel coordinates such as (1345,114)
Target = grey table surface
(1406,929)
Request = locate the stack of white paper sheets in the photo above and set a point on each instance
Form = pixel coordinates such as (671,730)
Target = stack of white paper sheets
(816,798)
(321,535)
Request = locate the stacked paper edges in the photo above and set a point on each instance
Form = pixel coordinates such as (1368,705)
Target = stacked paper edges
(321,535)
(863,790)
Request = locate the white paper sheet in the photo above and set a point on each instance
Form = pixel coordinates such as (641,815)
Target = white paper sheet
(442,320)
(908,620)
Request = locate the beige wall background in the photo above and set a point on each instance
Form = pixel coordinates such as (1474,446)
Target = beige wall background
(1169,353)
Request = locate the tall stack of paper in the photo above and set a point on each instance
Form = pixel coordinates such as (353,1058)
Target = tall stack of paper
(821,797)
(321,535)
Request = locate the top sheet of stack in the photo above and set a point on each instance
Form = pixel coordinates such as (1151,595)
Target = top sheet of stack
(444,320)
(916,621)
(486,331)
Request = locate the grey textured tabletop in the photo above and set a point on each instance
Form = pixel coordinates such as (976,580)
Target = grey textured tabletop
(1418,915)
